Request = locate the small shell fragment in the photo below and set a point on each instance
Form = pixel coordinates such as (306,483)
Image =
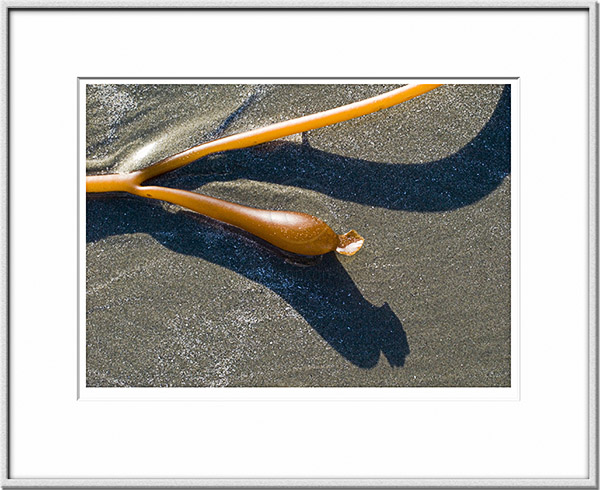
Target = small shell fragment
(350,243)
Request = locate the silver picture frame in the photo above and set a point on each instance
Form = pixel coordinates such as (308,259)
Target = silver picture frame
(8,481)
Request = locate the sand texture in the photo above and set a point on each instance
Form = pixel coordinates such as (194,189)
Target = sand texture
(175,299)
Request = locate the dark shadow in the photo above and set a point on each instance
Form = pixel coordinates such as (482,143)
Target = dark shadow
(325,296)
(452,182)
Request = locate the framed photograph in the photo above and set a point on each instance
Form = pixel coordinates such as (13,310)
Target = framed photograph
(244,335)
(301,246)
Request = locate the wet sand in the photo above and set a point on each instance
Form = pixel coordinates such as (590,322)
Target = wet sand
(174,299)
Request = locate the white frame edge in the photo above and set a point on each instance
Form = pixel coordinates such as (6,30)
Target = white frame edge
(594,190)
(300,4)
(4,226)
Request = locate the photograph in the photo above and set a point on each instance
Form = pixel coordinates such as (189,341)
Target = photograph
(296,233)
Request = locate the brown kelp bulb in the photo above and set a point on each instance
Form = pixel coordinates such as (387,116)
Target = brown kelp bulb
(295,232)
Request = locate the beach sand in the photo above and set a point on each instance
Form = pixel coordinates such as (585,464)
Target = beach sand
(175,299)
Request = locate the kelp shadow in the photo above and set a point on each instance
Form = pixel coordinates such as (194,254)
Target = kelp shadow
(325,296)
(449,183)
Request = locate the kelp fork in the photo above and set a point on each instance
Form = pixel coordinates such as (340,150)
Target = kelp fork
(292,231)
